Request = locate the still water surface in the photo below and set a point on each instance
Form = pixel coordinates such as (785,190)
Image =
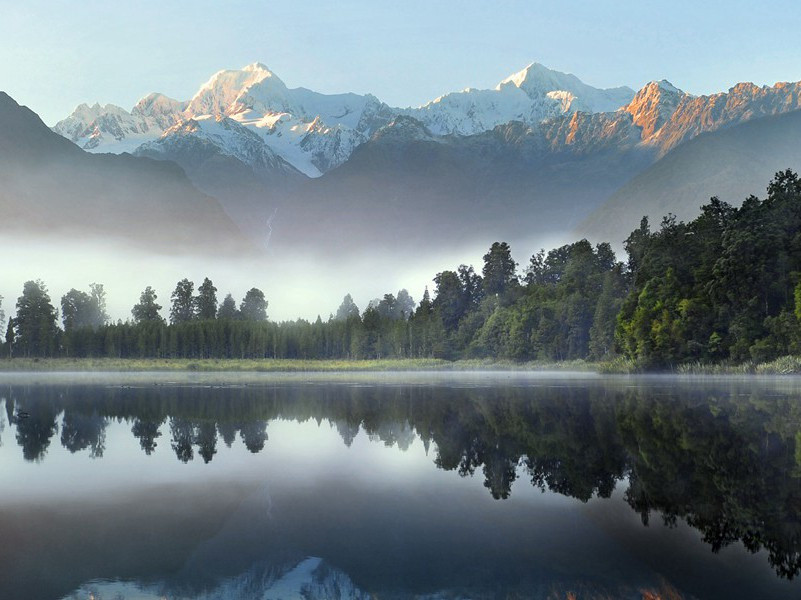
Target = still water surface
(477,485)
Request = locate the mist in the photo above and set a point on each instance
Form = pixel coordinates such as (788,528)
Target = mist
(295,285)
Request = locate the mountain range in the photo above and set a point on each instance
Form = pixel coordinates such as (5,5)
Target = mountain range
(541,154)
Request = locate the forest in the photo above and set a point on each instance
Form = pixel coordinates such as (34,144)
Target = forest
(724,287)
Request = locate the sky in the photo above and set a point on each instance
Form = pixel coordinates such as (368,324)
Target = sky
(56,54)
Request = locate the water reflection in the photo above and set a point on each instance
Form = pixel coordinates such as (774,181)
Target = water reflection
(723,457)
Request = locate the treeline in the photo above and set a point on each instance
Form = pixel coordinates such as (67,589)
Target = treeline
(723,287)
(562,307)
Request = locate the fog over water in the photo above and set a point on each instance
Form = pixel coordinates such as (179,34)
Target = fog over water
(296,285)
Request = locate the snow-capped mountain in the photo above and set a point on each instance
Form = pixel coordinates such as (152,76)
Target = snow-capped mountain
(530,96)
(313,132)
(316,132)
(224,135)
(113,129)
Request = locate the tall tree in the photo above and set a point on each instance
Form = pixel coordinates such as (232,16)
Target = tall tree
(449,302)
(254,306)
(183,302)
(347,309)
(79,309)
(99,315)
(147,310)
(206,300)
(35,323)
(404,304)
(499,269)
(228,308)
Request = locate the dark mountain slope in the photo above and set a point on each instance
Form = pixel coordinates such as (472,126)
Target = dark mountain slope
(50,186)
(731,164)
(406,187)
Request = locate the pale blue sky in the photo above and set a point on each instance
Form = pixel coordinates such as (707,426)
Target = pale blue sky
(56,54)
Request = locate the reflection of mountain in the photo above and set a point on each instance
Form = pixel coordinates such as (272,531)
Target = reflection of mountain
(307,579)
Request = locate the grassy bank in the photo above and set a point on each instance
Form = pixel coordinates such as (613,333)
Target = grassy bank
(785,365)
(282,365)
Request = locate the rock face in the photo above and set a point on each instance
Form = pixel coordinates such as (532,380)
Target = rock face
(743,102)
(653,106)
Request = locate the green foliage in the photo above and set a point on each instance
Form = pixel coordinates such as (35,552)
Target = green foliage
(499,272)
(722,287)
(253,306)
(79,309)
(34,331)
(147,310)
(228,309)
(206,300)
(183,302)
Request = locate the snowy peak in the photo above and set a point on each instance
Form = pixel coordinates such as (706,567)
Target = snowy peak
(221,93)
(110,128)
(653,106)
(163,110)
(317,132)
(537,81)
(531,96)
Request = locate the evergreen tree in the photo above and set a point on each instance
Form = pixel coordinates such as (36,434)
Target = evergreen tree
(79,309)
(228,308)
(206,300)
(35,329)
(147,310)
(183,302)
(499,269)
(347,309)
(404,305)
(253,306)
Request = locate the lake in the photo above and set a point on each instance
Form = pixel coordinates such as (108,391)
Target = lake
(406,485)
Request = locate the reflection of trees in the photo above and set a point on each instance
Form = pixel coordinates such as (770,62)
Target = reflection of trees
(35,427)
(723,467)
(146,431)
(728,464)
(254,435)
(80,431)
(182,432)
(206,440)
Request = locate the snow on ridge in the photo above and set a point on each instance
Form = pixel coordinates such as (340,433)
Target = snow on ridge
(316,132)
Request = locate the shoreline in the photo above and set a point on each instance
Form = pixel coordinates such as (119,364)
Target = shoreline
(269,365)
(787,365)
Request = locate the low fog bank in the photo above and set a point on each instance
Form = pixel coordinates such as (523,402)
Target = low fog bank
(295,285)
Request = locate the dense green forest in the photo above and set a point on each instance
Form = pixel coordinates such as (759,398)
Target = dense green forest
(723,287)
